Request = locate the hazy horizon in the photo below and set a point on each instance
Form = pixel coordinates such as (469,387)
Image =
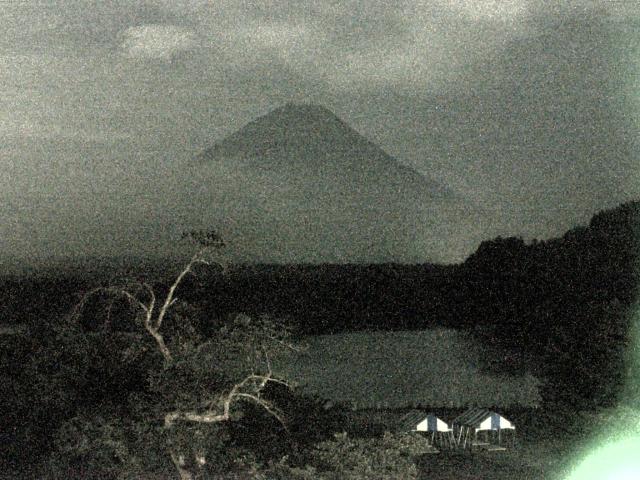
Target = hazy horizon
(528,114)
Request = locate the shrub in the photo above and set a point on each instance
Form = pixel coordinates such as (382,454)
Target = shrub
(390,457)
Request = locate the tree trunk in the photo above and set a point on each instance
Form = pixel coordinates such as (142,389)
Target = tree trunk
(178,461)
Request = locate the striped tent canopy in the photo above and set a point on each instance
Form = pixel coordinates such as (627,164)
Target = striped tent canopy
(419,421)
(482,419)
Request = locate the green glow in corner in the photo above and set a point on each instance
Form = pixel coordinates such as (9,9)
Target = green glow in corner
(617,461)
(616,454)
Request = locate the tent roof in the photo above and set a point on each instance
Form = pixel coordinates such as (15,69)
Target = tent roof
(474,416)
(412,418)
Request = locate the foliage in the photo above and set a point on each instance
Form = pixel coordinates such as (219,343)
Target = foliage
(91,446)
(160,383)
(391,457)
(559,307)
(342,457)
(623,420)
(281,470)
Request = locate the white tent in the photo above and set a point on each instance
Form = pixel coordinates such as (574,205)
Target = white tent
(439,430)
(476,420)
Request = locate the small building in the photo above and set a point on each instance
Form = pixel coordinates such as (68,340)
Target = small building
(436,429)
(489,424)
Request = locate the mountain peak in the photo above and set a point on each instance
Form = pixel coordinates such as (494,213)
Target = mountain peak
(302,109)
(307,127)
(307,138)
(300,183)
(300,113)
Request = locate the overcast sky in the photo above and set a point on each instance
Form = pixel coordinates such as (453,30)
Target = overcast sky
(528,109)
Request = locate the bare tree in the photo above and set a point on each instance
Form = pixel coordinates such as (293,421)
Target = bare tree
(154,313)
(260,340)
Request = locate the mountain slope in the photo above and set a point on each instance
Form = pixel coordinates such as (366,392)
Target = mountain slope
(304,140)
(300,185)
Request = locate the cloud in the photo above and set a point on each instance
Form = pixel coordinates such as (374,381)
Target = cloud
(270,35)
(157,41)
(486,94)
(499,10)
(30,130)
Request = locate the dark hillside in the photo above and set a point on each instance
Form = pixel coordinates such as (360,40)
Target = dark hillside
(563,304)
(558,308)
